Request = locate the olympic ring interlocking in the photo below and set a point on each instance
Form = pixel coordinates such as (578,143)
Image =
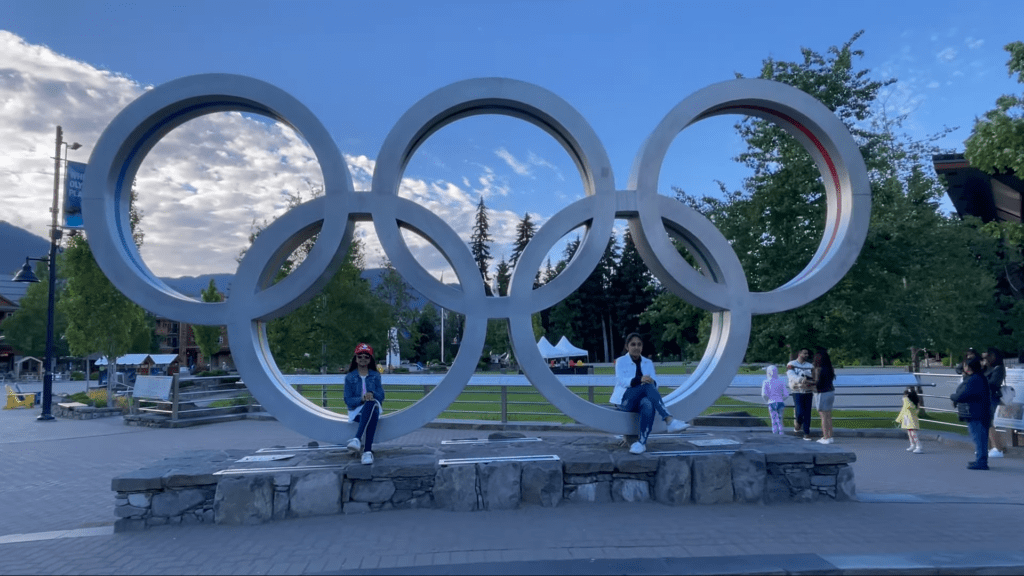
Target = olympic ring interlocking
(720,287)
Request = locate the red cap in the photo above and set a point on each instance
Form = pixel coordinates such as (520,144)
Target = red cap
(361,347)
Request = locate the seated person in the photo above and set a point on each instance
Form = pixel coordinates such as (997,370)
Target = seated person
(363,395)
(636,391)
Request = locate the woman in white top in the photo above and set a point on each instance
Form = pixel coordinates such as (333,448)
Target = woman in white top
(636,391)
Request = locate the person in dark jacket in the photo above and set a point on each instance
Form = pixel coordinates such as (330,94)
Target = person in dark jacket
(972,401)
(995,374)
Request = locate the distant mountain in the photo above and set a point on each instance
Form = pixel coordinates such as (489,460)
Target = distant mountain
(193,285)
(17,243)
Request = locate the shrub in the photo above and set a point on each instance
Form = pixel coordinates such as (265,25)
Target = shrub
(78,375)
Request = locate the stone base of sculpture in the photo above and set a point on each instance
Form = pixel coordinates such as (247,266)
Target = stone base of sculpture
(689,469)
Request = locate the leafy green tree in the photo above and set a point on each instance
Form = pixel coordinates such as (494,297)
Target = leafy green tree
(917,281)
(25,330)
(208,337)
(997,142)
(100,318)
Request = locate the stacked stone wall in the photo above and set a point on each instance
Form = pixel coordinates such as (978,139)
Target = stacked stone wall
(165,495)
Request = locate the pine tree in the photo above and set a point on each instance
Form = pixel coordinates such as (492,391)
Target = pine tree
(479,244)
(503,274)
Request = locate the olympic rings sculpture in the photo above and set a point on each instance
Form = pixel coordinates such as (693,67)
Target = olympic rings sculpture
(720,286)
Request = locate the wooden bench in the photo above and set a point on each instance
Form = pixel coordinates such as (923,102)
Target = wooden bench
(17,400)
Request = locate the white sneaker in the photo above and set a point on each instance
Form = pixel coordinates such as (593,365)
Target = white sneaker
(637,448)
(830,441)
(677,425)
(822,440)
(354,445)
(911,449)
(995,453)
(367,457)
(918,450)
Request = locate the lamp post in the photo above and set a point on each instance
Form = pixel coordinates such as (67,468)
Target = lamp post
(26,275)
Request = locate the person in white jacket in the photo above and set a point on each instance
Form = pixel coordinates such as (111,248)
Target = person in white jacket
(799,373)
(637,391)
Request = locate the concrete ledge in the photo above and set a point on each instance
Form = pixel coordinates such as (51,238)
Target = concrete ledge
(212,486)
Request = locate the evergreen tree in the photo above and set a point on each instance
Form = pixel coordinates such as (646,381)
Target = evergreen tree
(632,288)
(525,230)
(503,274)
(479,244)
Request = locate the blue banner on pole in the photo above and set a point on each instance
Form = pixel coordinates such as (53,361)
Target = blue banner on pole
(74,177)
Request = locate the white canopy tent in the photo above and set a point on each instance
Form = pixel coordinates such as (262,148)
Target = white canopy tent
(563,350)
(163,359)
(126,360)
(547,350)
(568,350)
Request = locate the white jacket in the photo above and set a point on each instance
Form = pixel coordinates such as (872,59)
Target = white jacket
(796,370)
(625,370)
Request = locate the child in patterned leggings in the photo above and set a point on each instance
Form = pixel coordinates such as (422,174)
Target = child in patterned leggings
(774,391)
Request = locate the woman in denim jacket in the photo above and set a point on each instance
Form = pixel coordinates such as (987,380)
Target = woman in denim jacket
(363,395)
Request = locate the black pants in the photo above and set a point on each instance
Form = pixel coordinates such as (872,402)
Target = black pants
(802,407)
(368,415)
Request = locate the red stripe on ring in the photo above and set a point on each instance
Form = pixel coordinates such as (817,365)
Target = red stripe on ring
(821,150)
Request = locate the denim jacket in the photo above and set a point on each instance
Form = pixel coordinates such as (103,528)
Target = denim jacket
(354,388)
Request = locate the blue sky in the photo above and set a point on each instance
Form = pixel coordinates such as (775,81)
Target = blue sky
(359,65)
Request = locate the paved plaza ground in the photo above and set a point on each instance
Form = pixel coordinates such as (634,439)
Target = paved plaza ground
(922,513)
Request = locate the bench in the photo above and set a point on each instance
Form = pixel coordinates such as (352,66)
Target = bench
(16,400)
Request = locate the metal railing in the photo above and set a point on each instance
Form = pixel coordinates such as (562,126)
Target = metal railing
(195,397)
(513,398)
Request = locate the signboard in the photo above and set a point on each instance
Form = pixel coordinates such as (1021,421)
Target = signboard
(1010,414)
(74,176)
(155,387)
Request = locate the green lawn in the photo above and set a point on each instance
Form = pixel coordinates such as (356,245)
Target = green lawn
(525,404)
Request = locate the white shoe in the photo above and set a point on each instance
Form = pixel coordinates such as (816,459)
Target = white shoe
(995,453)
(918,450)
(677,425)
(911,449)
(367,457)
(822,440)
(830,441)
(354,445)
(637,448)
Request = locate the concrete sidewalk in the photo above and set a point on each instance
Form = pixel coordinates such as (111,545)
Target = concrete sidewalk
(918,513)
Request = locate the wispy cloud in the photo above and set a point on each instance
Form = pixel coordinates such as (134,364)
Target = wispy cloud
(973,43)
(518,167)
(947,55)
(536,160)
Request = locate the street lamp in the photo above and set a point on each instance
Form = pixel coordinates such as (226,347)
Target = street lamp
(26,274)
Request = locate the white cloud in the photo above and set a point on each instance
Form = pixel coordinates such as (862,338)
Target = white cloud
(933,84)
(205,183)
(973,43)
(536,160)
(518,167)
(947,55)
